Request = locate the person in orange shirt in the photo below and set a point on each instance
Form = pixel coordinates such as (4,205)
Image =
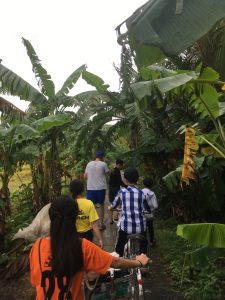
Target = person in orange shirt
(58,263)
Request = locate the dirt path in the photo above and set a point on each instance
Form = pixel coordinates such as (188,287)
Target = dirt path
(156,282)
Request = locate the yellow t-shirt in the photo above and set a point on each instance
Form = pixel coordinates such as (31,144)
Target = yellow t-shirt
(87,214)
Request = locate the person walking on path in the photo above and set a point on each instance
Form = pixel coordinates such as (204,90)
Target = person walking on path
(58,262)
(115,182)
(150,204)
(95,173)
(132,220)
(87,219)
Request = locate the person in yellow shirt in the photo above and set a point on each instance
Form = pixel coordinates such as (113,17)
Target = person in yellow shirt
(87,219)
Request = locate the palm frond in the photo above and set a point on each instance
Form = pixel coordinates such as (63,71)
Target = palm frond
(71,80)
(13,84)
(44,79)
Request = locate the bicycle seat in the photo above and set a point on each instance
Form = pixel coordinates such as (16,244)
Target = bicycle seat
(136,236)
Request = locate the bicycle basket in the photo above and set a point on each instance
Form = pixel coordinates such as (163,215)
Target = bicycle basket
(119,288)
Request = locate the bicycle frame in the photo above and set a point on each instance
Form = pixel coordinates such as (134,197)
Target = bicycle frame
(132,249)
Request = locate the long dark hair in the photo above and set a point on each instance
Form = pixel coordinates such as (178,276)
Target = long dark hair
(76,187)
(66,247)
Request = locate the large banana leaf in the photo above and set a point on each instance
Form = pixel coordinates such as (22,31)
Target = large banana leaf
(144,88)
(95,81)
(172,25)
(47,123)
(13,84)
(206,100)
(44,79)
(26,132)
(203,234)
(71,80)
(172,179)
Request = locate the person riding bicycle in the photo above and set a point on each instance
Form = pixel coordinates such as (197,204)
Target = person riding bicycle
(87,219)
(150,205)
(132,220)
(58,262)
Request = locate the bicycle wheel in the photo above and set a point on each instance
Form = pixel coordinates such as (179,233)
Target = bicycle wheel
(134,286)
(140,287)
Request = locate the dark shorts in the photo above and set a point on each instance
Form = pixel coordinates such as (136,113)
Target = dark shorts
(97,197)
(88,235)
(112,194)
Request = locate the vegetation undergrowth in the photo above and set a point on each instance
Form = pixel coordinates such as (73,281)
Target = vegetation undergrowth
(194,284)
(22,215)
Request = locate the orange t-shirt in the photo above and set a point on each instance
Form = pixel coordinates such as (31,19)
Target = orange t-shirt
(95,259)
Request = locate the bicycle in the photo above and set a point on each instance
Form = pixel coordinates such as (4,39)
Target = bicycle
(119,284)
(132,248)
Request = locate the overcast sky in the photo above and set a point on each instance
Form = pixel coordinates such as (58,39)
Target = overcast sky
(65,35)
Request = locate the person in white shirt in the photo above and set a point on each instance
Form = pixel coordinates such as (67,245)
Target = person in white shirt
(150,204)
(95,173)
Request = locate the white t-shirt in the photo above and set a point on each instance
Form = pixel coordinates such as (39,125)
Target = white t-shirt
(151,200)
(95,171)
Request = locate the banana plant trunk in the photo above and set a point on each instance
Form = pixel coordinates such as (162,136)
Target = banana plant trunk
(5,207)
(55,170)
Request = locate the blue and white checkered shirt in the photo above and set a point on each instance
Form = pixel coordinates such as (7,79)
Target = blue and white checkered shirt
(132,219)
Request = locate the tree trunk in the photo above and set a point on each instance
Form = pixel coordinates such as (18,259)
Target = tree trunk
(55,170)
(5,206)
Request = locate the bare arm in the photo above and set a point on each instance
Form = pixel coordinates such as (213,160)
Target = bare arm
(122,263)
(97,232)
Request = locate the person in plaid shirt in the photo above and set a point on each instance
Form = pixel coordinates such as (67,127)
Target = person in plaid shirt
(132,220)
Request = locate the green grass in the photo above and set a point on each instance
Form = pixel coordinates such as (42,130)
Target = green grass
(19,178)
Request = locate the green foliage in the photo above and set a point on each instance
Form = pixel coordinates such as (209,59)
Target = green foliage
(44,79)
(194,283)
(70,82)
(50,122)
(203,234)
(14,85)
(145,26)
(172,179)
(23,211)
(145,55)
(209,237)
(95,81)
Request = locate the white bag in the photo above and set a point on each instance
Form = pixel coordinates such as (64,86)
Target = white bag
(39,227)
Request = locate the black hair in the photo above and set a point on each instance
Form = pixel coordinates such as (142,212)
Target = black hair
(131,175)
(119,162)
(76,187)
(148,182)
(66,247)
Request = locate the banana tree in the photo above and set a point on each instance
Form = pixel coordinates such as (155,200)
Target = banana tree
(44,102)
(200,93)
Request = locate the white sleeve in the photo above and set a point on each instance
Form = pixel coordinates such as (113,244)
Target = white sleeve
(154,201)
(106,168)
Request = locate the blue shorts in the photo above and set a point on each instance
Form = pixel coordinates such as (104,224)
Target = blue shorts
(97,197)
